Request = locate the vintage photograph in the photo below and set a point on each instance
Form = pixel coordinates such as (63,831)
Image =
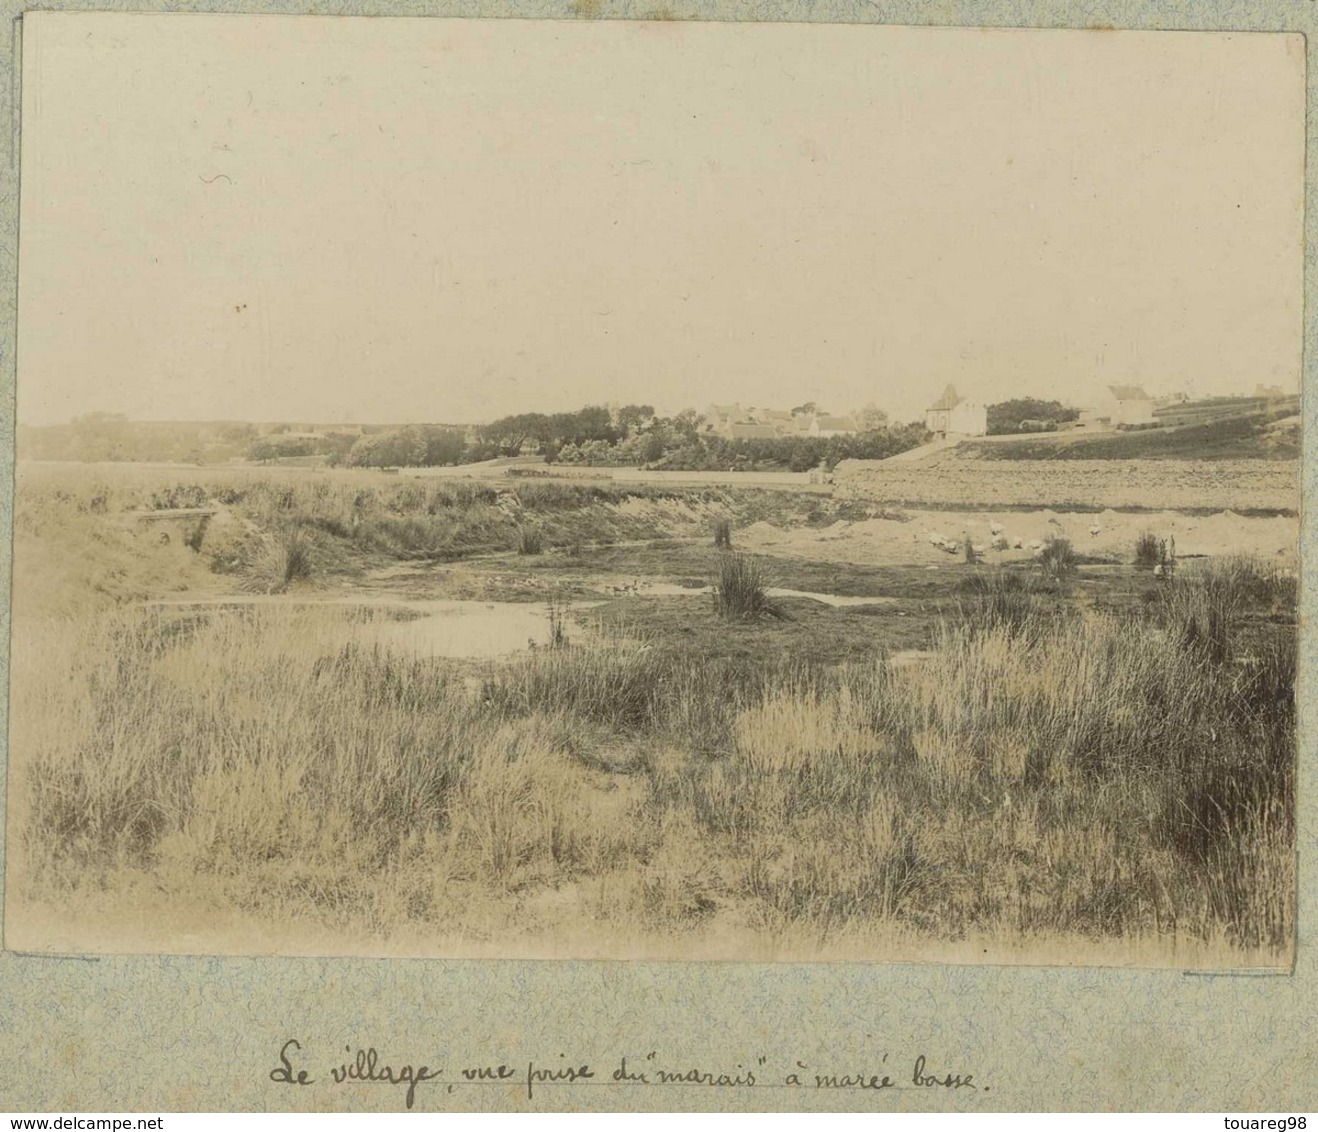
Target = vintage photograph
(501,488)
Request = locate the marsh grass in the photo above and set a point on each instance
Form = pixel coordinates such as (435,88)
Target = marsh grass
(1091,775)
(741,589)
(1057,561)
(1149,550)
(1157,554)
(530,541)
(558,612)
(273,564)
(1010,600)
(356,515)
(1048,770)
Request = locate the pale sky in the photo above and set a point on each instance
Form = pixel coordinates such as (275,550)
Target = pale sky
(331,219)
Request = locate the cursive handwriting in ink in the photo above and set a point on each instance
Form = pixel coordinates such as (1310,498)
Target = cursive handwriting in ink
(695,1076)
(865,1079)
(284,1074)
(566,1074)
(947,1081)
(853,1081)
(488,1073)
(653,1075)
(871,1072)
(366,1067)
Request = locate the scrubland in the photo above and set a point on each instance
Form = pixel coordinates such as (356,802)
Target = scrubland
(1023,763)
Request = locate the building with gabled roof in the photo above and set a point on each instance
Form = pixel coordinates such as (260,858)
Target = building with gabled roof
(953,415)
(1126,406)
(749,430)
(824,425)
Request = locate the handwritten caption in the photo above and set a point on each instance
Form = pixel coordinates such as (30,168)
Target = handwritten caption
(364,1065)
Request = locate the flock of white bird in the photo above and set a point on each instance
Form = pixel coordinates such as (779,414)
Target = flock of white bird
(998,540)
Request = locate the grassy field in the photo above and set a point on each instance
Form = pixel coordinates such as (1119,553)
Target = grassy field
(1252,436)
(1018,762)
(958,479)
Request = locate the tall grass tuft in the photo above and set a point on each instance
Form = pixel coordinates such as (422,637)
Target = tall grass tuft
(558,613)
(296,556)
(741,590)
(530,540)
(275,562)
(1149,550)
(1157,554)
(1057,560)
(1004,599)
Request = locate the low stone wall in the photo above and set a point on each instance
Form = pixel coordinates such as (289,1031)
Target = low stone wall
(1225,485)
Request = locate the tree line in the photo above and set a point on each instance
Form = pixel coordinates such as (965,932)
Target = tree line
(633,436)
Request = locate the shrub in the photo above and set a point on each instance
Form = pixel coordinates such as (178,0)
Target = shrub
(1149,551)
(296,556)
(275,562)
(1057,560)
(741,590)
(1153,553)
(530,541)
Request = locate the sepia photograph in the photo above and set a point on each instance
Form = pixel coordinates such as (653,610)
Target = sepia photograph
(656,490)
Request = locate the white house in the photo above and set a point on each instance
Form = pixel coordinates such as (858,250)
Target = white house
(1126,405)
(953,415)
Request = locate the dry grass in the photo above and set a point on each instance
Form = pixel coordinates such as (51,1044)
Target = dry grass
(1044,774)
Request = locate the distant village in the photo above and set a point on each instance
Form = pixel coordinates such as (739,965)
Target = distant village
(725,437)
(952,415)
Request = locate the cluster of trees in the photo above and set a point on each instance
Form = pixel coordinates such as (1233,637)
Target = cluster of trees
(520,434)
(1026,414)
(548,433)
(633,436)
(707,452)
(282,448)
(413,446)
